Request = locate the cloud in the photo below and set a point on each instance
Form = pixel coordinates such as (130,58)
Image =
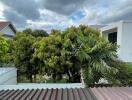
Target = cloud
(1,11)
(66,7)
(122,12)
(107,12)
(27,8)
(49,14)
(77,15)
(50,20)
(18,19)
(19,11)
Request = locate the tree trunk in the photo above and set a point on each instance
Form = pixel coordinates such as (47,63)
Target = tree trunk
(30,78)
(82,77)
(54,78)
(34,78)
(70,78)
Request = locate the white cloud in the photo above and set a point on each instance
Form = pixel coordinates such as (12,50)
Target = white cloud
(1,11)
(50,20)
(61,14)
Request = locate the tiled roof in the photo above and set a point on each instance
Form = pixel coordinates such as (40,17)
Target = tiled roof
(47,94)
(113,93)
(104,93)
(3,24)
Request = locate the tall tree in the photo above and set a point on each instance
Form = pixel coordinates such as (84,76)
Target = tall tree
(35,33)
(40,33)
(22,54)
(74,49)
(48,50)
(3,48)
(66,53)
(88,51)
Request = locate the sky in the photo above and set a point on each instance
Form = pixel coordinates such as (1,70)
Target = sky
(60,14)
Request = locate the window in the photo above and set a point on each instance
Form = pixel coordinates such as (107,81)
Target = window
(112,37)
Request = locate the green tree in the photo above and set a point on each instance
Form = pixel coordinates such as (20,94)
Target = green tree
(22,55)
(21,52)
(3,48)
(74,49)
(40,33)
(88,51)
(66,53)
(124,74)
(35,33)
(48,51)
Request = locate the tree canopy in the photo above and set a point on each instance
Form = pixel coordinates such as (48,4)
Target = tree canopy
(66,53)
(35,33)
(3,48)
(74,49)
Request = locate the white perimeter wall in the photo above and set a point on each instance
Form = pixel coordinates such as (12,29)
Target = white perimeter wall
(9,77)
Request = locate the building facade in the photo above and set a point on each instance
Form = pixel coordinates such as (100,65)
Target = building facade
(120,33)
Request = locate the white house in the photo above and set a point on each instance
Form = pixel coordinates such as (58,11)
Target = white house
(7,29)
(121,33)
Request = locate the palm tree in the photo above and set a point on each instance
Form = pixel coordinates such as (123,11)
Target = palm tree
(90,52)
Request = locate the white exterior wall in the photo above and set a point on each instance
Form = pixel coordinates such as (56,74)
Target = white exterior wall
(8,31)
(8,76)
(126,46)
(119,40)
(124,38)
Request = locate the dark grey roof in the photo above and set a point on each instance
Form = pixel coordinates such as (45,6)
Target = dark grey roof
(47,94)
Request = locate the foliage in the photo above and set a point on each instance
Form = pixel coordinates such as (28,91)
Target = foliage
(128,79)
(3,48)
(124,74)
(65,53)
(22,54)
(90,52)
(73,49)
(48,51)
(35,33)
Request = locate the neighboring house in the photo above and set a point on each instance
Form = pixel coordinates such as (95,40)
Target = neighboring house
(120,33)
(7,29)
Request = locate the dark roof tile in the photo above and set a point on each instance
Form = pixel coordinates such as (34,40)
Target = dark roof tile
(46,94)
(113,93)
(3,24)
(104,93)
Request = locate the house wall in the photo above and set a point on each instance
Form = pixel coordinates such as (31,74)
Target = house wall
(119,40)
(115,27)
(126,42)
(7,31)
